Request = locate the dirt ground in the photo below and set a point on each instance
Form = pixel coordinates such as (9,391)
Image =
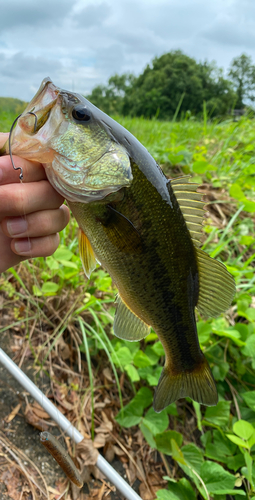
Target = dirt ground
(26,438)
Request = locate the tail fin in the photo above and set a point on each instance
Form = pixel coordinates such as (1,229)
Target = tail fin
(198,385)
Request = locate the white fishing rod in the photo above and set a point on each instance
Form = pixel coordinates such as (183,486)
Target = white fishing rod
(66,426)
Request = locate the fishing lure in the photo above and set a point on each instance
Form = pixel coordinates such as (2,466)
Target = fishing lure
(62,458)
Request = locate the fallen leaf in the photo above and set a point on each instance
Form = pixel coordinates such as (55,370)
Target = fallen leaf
(99,440)
(39,412)
(107,374)
(35,421)
(145,493)
(13,413)
(105,427)
(109,452)
(86,450)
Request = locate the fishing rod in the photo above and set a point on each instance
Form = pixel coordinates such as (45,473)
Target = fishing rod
(102,464)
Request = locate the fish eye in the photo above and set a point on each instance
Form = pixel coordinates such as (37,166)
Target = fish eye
(81,113)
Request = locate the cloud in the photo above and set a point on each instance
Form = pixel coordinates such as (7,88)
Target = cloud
(24,13)
(92,15)
(81,44)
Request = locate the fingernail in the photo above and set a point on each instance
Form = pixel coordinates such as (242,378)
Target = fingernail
(16,225)
(22,246)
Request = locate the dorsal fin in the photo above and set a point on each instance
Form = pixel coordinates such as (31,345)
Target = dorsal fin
(191,205)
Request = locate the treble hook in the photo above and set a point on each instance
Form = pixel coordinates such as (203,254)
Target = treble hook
(10,149)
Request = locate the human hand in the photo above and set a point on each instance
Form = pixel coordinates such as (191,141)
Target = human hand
(31,213)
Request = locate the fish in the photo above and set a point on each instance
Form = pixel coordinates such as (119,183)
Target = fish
(142,227)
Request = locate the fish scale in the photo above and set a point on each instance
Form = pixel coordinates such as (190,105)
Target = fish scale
(158,297)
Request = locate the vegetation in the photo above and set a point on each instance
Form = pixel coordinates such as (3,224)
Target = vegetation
(206,452)
(175,81)
(242,74)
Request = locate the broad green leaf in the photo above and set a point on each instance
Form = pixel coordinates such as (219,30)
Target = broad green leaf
(177,453)
(143,397)
(37,291)
(249,398)
(52,263)
(156,422)
(141,360)
(152,355)
(69,264)
(200,167)
(204,331)
(251,440)
(158,349)
(216,478)
(122,357)
(218,415)
(49,287)
(220,371)
(193,456)
(132,413)
(150,374)
(163,441)
(151,337)
(221,494)
(249,206)
(147,434)
(63,254)
(236,192)
(223,443)
(235,462)
(215,453)
(237,440)
(243,429)
(132,373)
(182,490)
(172,409)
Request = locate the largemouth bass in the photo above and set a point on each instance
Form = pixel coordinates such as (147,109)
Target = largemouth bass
(142,227)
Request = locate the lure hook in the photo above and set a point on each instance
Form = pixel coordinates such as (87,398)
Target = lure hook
(10,149)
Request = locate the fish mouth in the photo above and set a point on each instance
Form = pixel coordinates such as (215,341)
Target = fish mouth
(28,132)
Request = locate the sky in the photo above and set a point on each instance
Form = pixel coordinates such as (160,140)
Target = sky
(81,43)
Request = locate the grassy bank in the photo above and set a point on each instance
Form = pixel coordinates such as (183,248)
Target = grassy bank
(201,452)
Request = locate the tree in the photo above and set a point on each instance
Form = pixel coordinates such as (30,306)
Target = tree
(110,97)
(176,78)
(242,73)
(172,81)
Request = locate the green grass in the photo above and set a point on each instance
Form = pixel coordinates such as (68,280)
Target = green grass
(216,459)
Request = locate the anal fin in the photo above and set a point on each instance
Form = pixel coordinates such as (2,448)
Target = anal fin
(198,385)
(86,254)
(127,325)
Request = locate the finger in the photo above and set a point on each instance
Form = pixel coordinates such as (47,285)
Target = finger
(3,138)
(17,199)
(35,247)
(7,257)
(37,224)
(32,171)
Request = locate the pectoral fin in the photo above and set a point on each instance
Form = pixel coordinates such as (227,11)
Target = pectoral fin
(86,254)
(127,325)
(216,286)
(122,233)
